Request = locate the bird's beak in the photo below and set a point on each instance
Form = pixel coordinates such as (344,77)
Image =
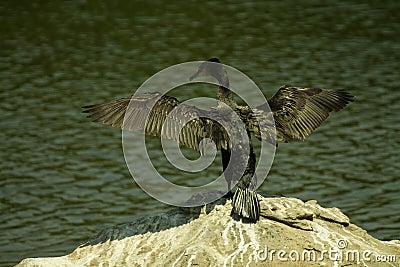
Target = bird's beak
(199,73)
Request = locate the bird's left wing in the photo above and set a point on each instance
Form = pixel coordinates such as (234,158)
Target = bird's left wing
(160,115)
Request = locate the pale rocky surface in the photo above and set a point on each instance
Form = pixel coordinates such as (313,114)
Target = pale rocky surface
(191,237)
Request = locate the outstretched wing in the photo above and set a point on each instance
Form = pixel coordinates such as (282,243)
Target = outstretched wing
(299,111)
(159,115)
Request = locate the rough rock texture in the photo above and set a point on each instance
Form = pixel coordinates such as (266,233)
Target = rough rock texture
(289,233)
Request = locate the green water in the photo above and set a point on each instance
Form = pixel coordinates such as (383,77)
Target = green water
(64,178)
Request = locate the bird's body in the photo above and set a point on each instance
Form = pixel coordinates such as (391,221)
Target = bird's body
(297,112)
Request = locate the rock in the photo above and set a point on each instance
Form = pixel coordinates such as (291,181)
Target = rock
(289,231)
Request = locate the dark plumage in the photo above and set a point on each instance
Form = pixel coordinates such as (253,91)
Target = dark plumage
(113,113)
(297,112)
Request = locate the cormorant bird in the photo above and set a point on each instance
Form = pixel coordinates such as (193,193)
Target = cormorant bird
(296,111)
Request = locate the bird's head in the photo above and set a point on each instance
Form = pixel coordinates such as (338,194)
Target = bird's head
(211,67)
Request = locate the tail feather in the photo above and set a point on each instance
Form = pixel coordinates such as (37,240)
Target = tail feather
(246,204)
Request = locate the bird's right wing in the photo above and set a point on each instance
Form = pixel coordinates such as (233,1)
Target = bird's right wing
(161,115)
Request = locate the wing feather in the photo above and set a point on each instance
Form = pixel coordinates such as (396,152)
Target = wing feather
(298,111)
(157,108)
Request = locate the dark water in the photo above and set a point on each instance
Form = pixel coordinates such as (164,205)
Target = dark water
(63,178)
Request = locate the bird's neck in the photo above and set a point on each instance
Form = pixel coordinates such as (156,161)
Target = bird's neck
(224,94)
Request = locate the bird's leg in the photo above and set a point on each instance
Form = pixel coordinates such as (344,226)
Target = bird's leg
(203,210)
(226,156)
(228,195)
